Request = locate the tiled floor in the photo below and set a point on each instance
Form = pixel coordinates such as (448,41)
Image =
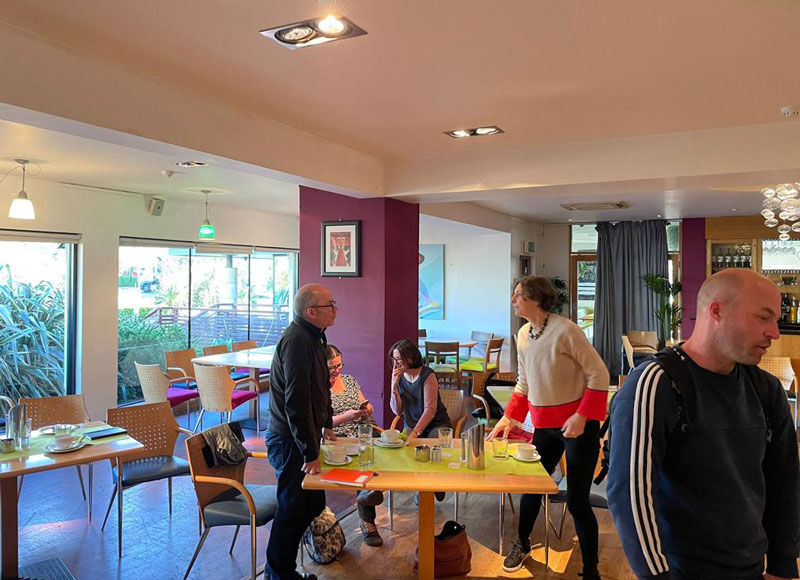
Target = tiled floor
(53,524)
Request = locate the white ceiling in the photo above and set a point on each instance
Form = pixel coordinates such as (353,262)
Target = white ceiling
(549,74)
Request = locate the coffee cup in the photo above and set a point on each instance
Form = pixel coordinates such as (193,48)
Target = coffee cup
(390,436)
(336,454)
(64,441)
(352,448)
(526,451)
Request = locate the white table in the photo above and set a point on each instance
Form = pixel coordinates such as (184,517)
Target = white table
(252,359)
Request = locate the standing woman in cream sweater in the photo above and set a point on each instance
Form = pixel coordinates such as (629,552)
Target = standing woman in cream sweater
(563,383)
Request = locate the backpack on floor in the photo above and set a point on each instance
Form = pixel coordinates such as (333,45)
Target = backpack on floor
(324,538)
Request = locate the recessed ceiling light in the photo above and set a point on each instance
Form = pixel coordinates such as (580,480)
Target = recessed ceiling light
(658,215)
(313,32)
(474,132)
(191,164)
(569,219)
(734,209)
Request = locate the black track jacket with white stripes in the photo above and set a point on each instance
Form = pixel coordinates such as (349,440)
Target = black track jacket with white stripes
(710,503)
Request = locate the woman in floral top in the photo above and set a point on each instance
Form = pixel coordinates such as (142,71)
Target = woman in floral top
(346,399)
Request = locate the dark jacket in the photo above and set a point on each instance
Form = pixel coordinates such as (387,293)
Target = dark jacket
(300,397)
(709,502)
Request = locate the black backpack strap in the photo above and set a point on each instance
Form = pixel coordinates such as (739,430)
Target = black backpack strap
(673,362)
(760,381)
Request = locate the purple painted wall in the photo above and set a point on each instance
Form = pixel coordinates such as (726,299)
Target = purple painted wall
(693,269)
(378,308)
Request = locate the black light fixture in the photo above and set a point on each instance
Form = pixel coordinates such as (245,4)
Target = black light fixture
(474,132)
(191,164)
(313,32)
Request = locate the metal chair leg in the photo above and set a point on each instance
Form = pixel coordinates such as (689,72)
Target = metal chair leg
(199,421)
(391,510)
(233,542)
(108,511)
(253,547)
(19,488)
(80,478)
(199,521)
(196,552)
(258,412)
(455,507)
(169,494)
(119,507)
(91,489)
(502,519)
(511,501)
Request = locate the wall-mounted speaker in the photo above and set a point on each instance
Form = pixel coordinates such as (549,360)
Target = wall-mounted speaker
(155,205)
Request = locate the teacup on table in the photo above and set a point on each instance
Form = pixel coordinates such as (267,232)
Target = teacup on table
(526,450)
(391,436)
(336,454)
(64,441)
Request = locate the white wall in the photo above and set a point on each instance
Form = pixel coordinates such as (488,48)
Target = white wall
(477,281)
(102,218)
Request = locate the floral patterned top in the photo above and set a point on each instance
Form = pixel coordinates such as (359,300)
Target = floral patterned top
(344,401)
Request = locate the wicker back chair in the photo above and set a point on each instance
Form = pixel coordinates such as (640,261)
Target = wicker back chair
(157,388)
(154,426)
(224,486)
(44,411)
(244,345)
(218,392)
(179,365)
(216,349)
(453,400)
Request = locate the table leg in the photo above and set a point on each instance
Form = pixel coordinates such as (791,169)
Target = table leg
(425,535)
(119,504)
(252,421)
(10,531)
(502,519)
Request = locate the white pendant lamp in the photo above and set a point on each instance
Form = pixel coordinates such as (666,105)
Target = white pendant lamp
(22,207)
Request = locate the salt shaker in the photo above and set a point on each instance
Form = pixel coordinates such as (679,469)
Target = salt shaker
(436,454)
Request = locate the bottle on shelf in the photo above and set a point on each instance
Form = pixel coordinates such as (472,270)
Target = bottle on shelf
(793,311)
(736,256)
(785,307)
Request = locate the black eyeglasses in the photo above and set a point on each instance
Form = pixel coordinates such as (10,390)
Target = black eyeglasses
(331,304)
(338,367)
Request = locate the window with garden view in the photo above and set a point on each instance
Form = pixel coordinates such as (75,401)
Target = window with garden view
(173,298)
(36,320)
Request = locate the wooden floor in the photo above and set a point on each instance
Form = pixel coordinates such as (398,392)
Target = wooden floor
(480,514)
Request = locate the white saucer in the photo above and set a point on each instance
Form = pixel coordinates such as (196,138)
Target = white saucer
(352,448)
(47,430)
(381,443)
(51,447)
(345,462)
(536,457)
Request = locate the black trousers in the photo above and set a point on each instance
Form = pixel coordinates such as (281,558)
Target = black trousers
(296,507)
(582,455)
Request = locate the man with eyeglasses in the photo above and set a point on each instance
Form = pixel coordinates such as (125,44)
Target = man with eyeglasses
(299,412)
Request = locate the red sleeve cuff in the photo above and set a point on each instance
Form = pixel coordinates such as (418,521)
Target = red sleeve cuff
(517,408)
(594,404)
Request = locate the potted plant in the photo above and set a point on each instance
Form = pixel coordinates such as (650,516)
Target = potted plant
(668,315)
(561,290)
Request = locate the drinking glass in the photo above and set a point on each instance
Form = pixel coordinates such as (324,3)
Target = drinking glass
(500,448)
(365,432)
(25,435)
(366,454)
(445,437)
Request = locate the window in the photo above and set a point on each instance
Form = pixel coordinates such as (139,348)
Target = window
(37,315)
(173,296)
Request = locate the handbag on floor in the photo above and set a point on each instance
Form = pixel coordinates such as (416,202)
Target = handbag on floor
(452,555)
(324,538)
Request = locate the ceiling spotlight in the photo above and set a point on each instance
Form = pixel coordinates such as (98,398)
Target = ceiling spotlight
(167,173)
(191,164)
(475,132)
(313,32)
(331,26)
(790,111)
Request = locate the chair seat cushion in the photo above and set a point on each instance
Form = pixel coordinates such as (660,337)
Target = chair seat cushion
(597,495)
(185,385)
(240,396)
(177,396)
(240,374)
(151,469)
(230,508)
(476,364)
(442,369)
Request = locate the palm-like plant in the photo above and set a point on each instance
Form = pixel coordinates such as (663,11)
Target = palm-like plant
(668,315)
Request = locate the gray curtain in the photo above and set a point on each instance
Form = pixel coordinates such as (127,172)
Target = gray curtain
(626,251)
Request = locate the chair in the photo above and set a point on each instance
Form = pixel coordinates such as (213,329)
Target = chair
(598,497)
(224,500)
(436,353)
(154,426)
(223,349)
(179,366)
(454,403)
(45,411)
(479,392)
(482,338)
(245,345)
(219,393)
(627,349)
(156,389)
(643,339)
(481,365)
(781,368)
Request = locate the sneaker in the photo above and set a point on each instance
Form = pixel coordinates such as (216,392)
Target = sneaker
(439,495)
(515,559)
(370,535)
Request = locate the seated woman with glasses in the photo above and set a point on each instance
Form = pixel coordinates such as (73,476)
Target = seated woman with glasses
(347,400)
(415,392)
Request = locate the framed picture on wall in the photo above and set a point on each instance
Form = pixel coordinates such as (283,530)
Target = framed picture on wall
(431,281)
(341,250)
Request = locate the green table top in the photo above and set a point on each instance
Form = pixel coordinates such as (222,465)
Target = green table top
(402,459)
(38,443)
